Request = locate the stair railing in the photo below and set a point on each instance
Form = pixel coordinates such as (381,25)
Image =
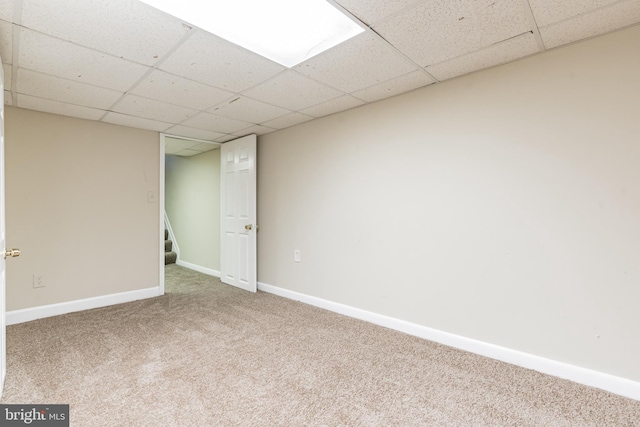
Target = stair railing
(172,237)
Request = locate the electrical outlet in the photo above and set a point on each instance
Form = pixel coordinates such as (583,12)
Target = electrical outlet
(38,281)
(296,255)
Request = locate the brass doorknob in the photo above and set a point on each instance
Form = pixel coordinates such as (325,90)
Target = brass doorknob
(248,227)
(12,253)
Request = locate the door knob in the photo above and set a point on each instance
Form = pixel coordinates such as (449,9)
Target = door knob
(12,253)
(248,227)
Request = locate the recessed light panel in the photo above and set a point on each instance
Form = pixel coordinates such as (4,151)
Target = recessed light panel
(285,31)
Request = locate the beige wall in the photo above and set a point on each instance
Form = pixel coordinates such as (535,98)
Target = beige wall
(502,206)
(192,203)
(76,194)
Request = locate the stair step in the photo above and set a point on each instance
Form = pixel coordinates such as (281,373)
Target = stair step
(170,258)
(168,245)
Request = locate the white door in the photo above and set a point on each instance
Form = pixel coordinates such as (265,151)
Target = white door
(238,207)
(3,320)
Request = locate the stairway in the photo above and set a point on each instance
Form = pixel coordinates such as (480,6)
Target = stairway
(170,257)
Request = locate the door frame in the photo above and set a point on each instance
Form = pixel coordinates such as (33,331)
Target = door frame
(3,267)
(161,142)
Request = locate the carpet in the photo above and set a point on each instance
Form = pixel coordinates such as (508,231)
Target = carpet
(208,354)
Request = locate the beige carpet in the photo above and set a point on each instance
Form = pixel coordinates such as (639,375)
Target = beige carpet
(207,354)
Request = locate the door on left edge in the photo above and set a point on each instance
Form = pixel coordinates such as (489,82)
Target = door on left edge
(5,253)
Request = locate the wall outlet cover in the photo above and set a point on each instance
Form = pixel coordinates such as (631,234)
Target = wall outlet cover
(38,280)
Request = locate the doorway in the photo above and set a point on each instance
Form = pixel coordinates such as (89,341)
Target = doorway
(210,205)
(190,202)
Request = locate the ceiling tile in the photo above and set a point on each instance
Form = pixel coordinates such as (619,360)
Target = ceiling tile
(138,106)
(339,104)
(547,12)
(67,91)
(135,122)
(43,53)
(7,71)
(592,24)
(55,107)
(499,53)
(6,42)
(288,120)
(211,60)
(257,129)
(186,131)
(248,110)
(212,122)
(174,145)
(187,153)
(395,86)
(176,90)
(204,147)
(293,91)
(123,28)
(372,11)
(357,63)
(8,99)
(226,138)
(6,10)
(436,30)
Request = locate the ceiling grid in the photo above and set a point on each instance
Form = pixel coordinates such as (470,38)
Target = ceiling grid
(123,62)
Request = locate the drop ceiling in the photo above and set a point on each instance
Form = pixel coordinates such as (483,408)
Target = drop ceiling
(122,62)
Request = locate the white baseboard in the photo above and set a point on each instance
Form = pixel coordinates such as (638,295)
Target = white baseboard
(611,383)
(29,314)
(198,268)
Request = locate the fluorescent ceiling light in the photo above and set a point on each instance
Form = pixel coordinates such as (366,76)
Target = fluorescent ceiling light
(285,31)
